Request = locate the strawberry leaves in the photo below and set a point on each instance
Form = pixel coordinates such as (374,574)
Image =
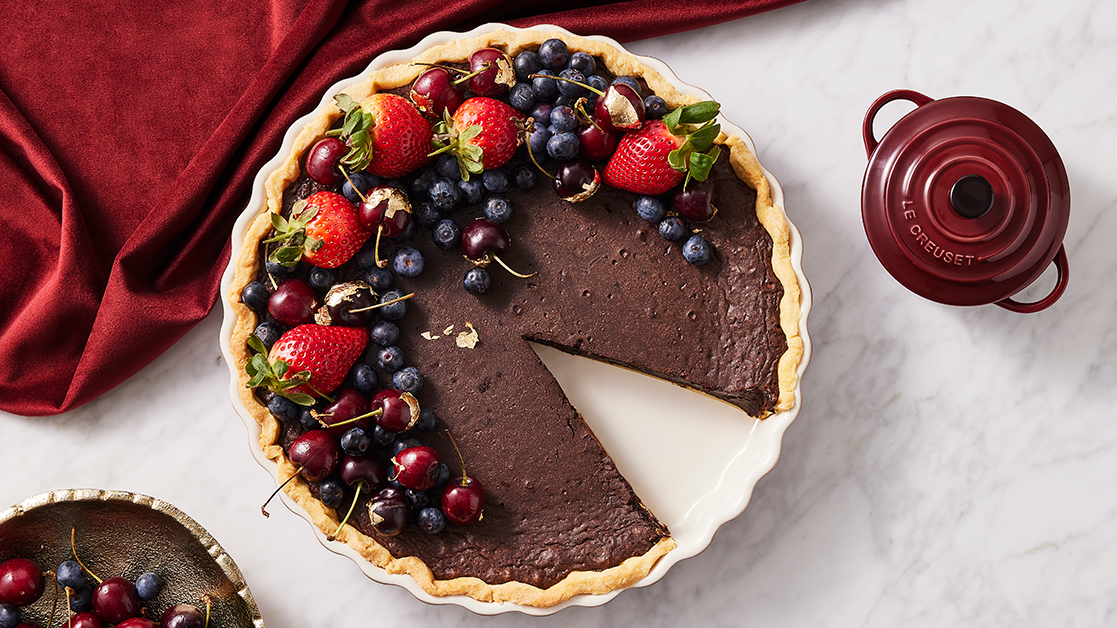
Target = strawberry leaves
(291,234)
(448,139)
(697,154)
(273,376)
(355,130)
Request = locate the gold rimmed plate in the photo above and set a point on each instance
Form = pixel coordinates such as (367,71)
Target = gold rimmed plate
(125,534)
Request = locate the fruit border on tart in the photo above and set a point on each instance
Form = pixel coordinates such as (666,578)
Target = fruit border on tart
(432,219)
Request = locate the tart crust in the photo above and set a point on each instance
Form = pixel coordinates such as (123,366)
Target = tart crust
(247,266)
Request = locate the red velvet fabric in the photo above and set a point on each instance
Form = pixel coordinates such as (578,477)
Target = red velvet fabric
(130,134)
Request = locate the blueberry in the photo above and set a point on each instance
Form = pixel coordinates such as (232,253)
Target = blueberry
(630,81)
(444,194)
(654,107)
(405,442)
(428,420)
(582,62)
(443,476)
(255,295)
(321,279)
(408,262)
(381,436)
(355,441)
(366,256)
(553,53)
(537,140)
(563,119)
(268,332)
(390,359)
(672,229)
(81,600)
(527,63)
(384,333)
(545,86)
(394,311)
(563,146)
(425,214)
(477,280)
(331,492)
(379,279)
(697,250)
(522,97)
(598,82)
(408,379)
(541,113)
(498,209)
(497,181)
(431,520)
(651,208)
(408,232)
(361,182)
(69,574)
(277,270)
(473,190)
(574,86)
(447,165)
(10,616)
(524,177)
(283,408)
(421,180)
(148,585)
(447,235)
(363,377)
(307,420)
(418,500)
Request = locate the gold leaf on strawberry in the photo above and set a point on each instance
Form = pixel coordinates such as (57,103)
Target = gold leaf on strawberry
(661,154)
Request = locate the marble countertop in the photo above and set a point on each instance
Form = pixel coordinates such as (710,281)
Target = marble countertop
(950,466)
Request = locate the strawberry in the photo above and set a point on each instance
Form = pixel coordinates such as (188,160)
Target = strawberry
(324,229)
(664,153)
(483,134)
(386,134)
(308,360)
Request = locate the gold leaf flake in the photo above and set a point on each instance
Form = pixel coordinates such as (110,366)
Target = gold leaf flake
(427,335)
(468,340)
(446,332)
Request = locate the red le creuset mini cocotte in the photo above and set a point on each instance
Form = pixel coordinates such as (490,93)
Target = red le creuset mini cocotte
(965,201)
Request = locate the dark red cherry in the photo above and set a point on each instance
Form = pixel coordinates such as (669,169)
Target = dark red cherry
(619,108)
(385,208)
(389,512)
(323,160)
(348,304)
(696,202)
(399,411)
(115,600)
(481,237)
(348,403)
(137,622)
(87,619)
(316,453)
(21,582)
(434,92)
(494,74)
(416,468)
(462,499)
(183,616)
(368,473)
(293,303)
(597,143)
(576,181)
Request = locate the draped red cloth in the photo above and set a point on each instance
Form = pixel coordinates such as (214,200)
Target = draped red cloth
(130,134)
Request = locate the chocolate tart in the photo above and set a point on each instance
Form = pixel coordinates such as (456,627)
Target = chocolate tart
(560,521)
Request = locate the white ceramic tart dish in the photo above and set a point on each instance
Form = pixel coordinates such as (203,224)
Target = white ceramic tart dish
(633,416)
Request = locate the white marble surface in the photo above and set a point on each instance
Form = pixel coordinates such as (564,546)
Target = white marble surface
(950,466)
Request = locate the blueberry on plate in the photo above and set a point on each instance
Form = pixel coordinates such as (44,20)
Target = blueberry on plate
(148,585)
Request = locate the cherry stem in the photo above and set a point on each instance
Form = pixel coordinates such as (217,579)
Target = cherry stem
(54,602)
(380,263)
(501,262)
(376,412)
(209,603)
(562,78)
(373,307)
(453,442)
(74,549)
(357,495)
(263,508)
(485,65)
(531,155)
